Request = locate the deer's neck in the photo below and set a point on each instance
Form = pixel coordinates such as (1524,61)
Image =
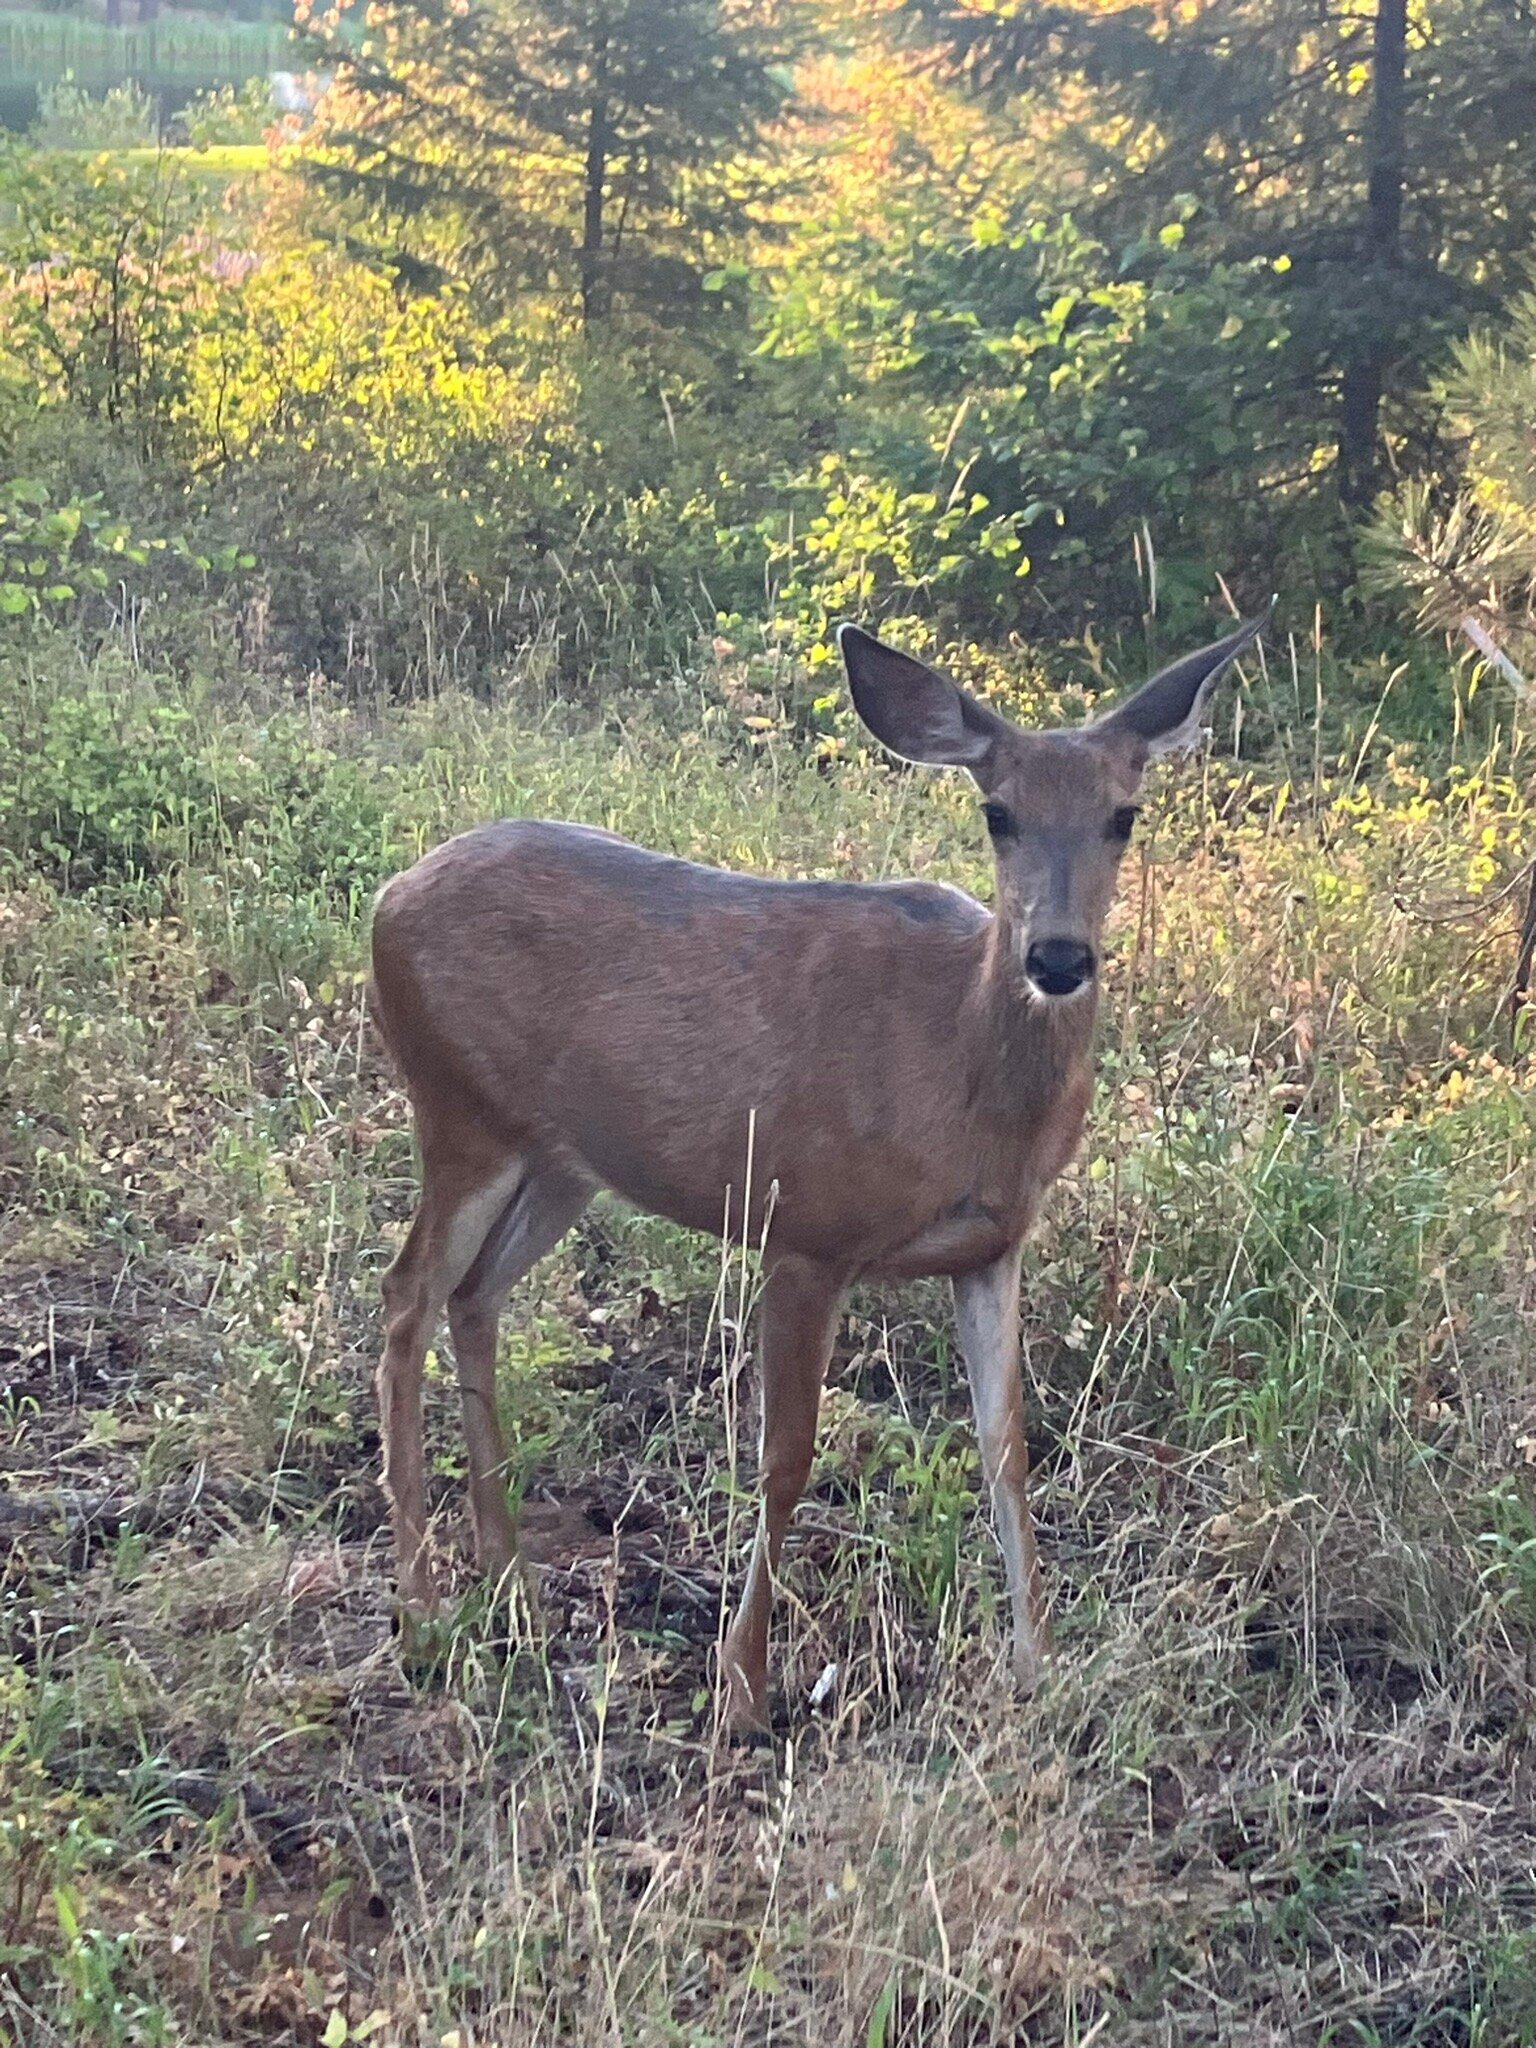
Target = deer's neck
(1036,1051)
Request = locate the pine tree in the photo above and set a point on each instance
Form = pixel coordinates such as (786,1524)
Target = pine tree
(1464,553)
(577,146)
(1382,158)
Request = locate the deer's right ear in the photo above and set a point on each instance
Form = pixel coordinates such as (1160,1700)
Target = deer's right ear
(912,709)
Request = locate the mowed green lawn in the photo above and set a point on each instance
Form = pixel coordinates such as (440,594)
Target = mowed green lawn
(1277,1785)
(220,160)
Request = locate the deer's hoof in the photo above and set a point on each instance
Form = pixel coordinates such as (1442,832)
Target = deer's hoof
(746,1703)
(496,1552)
(416,1596)
(498,1563)
(745,1726)
(1027,1664)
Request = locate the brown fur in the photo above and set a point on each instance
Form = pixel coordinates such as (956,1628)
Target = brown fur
(904,1101)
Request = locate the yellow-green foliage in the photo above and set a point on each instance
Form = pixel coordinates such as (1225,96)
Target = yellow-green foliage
(325,359)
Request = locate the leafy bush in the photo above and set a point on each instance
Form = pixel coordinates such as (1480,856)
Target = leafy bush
(49,552)
(107,782)
(437,465)
(227,114)
(927,391)
(432,491)
(54,554)
(105,279)
(1020,407)
(68,117)
(101,785)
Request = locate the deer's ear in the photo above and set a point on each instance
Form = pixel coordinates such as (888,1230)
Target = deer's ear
(1169,712)
(912,709)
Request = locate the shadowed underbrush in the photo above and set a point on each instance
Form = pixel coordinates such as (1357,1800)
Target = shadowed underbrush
(1276,1787)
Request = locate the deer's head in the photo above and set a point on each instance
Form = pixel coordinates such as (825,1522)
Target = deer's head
(1060,806)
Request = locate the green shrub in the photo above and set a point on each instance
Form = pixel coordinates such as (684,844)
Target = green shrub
(105,279)
(1016,407)
(104,782)
(228,114)
(68,117)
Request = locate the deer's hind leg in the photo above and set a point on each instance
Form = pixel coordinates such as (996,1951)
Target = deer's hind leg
(796,1324)
(532,1222)
(462,1195)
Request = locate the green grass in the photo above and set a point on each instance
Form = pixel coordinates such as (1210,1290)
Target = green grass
(1278,1332)
(39,48)
(219,160)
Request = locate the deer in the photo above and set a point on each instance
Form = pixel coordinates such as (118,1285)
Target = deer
(910,1070)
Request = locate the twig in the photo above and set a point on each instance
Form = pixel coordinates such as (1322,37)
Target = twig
(1494,654)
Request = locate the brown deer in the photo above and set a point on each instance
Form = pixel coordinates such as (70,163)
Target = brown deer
(910,1070)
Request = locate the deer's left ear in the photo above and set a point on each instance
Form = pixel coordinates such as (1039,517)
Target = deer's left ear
(1169,712)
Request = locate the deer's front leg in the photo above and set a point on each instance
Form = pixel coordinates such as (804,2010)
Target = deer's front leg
(987,1316)
(795,1327)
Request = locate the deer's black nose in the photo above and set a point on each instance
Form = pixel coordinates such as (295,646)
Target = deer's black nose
(1057,967)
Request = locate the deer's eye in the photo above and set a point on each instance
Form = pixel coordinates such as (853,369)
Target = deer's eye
(1121,823)
(999,820)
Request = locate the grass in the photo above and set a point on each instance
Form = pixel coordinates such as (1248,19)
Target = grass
(220,159)
(37,47)
(1276,1787)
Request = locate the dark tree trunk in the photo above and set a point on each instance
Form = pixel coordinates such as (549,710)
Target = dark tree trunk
(594,283)
(1525,956)
(1365,372)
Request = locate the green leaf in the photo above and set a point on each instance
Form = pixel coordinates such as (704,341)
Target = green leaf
(15,598)
(880,2017)
(335,2030)
(59,593)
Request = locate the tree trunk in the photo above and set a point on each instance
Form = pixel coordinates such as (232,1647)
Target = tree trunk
(1525,956)
(594,284)
(1365,372)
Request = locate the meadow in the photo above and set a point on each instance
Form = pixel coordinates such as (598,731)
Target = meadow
(1276,1785)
